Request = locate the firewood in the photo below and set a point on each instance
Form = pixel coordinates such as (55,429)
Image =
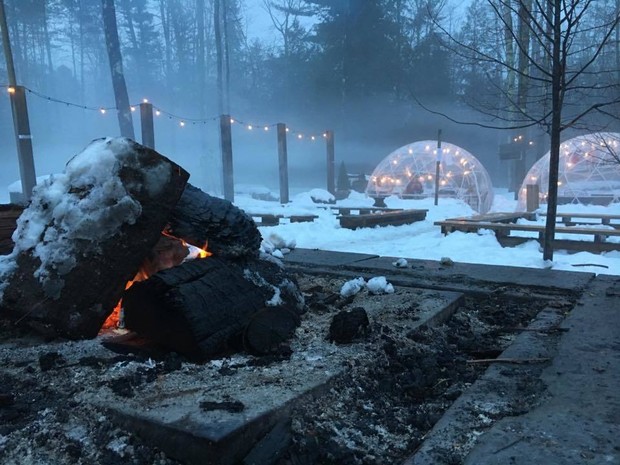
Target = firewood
(8,222)
(85,235)
(199,217)
(200,307)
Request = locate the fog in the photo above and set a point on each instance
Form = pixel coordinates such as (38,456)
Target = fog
(312,86)
(361,142)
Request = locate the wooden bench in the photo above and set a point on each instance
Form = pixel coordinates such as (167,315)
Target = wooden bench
(497,217)
(270,219)
(572,219)
(503,233)
(384,218)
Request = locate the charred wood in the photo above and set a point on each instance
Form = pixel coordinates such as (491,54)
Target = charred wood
(85,235)
(199,217)
(200,306)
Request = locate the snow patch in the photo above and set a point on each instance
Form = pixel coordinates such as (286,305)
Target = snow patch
(352,287)
(379,285)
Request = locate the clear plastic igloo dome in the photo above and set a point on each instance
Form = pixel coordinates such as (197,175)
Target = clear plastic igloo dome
(588,173)
(410,172)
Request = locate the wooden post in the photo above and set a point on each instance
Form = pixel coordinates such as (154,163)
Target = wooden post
(283,163)
(146,122)
(227,158)
(331,170)
(532,197)
(21,123)
(23,140)
(437,165)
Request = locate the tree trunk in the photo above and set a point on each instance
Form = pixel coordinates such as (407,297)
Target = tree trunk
(125,120)
(556,129)
(218,52)
(95,225)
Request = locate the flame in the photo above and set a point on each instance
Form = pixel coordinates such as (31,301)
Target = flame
(114,319)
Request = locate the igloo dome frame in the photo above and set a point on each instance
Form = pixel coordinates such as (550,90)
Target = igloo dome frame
(588,172)
(409,172)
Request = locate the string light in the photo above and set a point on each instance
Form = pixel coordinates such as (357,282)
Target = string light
(182,121)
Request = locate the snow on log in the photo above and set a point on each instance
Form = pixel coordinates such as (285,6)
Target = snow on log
(199,217)
(200,306)
(85,235)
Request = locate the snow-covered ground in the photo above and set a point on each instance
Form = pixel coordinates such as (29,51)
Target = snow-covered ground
(423,240)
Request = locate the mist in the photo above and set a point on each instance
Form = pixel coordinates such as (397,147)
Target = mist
(362,85)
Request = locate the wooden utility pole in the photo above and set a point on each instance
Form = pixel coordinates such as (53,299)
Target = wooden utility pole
(227,158)
(331,176)
(21,123)
(283,163)
(146,122)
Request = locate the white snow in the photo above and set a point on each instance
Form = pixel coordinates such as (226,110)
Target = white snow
(352,287)
(422,240)
(379,285)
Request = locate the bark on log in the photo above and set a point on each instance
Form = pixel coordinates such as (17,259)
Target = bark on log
(8,222)
(198,307)
(85,235)
(199,217)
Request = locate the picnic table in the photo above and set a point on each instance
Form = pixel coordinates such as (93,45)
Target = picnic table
(597,234)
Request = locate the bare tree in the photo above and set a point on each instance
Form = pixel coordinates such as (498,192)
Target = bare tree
(566,70)
(125,121)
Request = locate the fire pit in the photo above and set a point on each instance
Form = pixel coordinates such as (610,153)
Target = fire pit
(120,223)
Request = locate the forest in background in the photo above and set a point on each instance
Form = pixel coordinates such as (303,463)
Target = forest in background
(362,68)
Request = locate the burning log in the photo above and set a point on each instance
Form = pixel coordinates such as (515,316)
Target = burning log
(200,306)
(85,235)
(199,217)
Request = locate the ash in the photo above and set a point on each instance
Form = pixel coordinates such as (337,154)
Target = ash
(382,392)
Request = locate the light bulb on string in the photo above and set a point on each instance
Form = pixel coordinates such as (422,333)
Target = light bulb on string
(300,136)
(157,113)
(102,111)
(266,128)
(232,121)
(250,127)
(132,108)
(182,123)
(145,100)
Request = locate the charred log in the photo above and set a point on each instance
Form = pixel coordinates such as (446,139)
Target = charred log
(85,235)
(199,217)
(200,306)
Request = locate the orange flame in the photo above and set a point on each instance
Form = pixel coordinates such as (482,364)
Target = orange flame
(114,318)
